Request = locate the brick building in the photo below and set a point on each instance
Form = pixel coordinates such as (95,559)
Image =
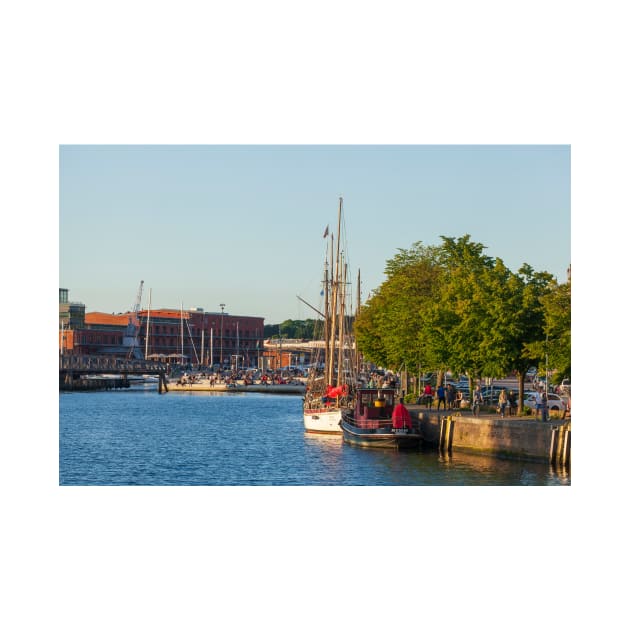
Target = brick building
(188,337)
(203,338)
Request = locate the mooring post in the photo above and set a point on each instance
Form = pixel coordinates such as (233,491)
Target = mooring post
(162,388)
(446,434)
(451,425)
(566,451)
(554,445)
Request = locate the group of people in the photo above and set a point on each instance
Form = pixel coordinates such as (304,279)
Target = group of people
(448,397)
(379,381)
(507,402)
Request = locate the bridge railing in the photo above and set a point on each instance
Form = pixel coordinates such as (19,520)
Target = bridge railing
(108,364)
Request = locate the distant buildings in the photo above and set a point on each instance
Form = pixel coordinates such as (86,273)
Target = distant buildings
(177,336)
(71,314)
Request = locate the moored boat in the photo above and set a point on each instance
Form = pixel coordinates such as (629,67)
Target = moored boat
(330,390)
(213,385)
(377,422)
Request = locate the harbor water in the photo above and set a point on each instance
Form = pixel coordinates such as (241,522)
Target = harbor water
(138,437)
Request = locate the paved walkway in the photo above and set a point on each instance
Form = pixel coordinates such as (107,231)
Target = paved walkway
(467,413)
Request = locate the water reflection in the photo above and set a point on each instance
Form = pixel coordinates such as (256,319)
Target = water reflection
(323,458)
(324,442)
(471,468)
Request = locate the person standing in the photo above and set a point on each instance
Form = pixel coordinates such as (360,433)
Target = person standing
(477,400)
(502,402)
(458,400)
(512,403)
(400,416)
(538,400)
(441,396)
(450,395)
(428,395)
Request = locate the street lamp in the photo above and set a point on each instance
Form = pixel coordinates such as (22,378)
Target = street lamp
(221,353)
(545,406)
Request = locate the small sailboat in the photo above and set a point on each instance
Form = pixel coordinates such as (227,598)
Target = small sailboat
(330,390)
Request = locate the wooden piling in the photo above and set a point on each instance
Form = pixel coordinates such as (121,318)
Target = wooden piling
(566,450)
(553,446)
(442,431)
(162,387)
(446,434)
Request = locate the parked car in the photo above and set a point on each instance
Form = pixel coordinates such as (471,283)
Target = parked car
(554,402)
(565,386)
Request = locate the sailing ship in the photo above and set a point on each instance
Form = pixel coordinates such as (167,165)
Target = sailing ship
(330,389)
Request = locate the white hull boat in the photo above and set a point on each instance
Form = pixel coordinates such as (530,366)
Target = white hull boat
(322,420)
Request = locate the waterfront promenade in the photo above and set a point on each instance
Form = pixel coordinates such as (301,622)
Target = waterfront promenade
(512,437)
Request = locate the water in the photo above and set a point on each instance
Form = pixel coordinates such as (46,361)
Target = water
(138,437)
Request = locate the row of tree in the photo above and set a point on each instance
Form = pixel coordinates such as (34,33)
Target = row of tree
(450,307)
(291,329)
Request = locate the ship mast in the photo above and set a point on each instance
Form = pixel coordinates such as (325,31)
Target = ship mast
(342,314)
(326,323)
(335,291)
(357,356)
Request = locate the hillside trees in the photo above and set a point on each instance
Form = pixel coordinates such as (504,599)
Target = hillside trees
(291,329)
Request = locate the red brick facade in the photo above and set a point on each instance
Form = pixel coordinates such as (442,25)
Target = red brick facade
(193,334)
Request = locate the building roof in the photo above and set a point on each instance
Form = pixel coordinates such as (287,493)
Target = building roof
(107,319)
(167,313)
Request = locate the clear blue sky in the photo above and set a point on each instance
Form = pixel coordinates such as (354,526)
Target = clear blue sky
(243,225)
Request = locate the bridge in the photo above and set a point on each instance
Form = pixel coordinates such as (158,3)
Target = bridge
(71,368)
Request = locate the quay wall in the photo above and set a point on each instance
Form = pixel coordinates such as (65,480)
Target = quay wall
(510,438)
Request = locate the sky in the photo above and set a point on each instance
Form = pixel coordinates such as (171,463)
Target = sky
(242,225)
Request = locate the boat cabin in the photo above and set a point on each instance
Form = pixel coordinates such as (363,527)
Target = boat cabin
(374,403)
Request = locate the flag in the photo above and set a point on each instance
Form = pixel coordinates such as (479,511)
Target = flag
(325,232)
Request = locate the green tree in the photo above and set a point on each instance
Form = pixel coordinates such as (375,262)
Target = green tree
(527,315)
(463,306)
(291,329)
(557,306)
(552,346)
(388,329)
(453,307)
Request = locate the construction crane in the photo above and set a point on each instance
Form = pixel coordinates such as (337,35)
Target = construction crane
(130,338)
(136,307)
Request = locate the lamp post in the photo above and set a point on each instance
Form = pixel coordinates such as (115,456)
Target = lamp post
(545,398)
(221,352)
(280,353)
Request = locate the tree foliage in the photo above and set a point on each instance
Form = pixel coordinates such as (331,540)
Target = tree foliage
(388,330)
(292,329)
(553,345)
(453,307)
